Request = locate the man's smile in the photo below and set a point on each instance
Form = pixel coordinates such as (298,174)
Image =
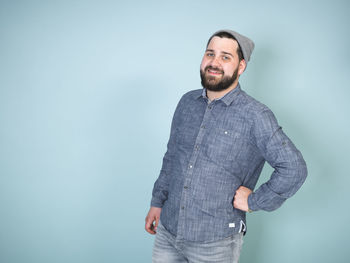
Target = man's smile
(214,72)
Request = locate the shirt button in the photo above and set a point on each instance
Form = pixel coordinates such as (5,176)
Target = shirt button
(197,147)
(186,187)
(203,126)
(226,132)
(209,107)
(182,207)
(190,166)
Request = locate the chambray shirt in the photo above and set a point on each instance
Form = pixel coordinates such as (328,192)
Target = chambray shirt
(213,149)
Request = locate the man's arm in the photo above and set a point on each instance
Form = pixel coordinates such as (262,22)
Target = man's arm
(160,188)
(289,166)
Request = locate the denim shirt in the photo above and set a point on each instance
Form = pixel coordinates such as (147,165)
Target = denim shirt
(213,149)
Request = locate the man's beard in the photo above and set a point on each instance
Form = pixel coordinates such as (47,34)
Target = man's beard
(224,83)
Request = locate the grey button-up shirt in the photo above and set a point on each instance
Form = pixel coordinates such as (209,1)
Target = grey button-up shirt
(213,149)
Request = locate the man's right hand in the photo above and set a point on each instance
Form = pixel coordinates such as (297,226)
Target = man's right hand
(152,216)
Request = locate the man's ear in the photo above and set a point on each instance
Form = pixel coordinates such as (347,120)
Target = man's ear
(241,67)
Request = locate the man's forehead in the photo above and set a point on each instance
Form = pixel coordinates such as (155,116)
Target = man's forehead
(224,44)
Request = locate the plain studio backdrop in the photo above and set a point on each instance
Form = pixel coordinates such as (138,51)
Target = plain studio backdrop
(87,93)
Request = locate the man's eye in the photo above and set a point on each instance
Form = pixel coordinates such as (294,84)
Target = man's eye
(225,58)
(210,54)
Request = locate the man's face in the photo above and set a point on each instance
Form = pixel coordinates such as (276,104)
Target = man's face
(220,65)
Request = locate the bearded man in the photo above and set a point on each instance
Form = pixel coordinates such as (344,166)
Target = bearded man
(219,141)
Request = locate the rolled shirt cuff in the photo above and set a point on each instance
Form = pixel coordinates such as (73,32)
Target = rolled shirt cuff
(156,203)
(252,205)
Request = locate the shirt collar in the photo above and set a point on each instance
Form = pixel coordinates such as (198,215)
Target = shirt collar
(227,98)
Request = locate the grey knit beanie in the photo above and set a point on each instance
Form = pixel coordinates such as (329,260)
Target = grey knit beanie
(245,43)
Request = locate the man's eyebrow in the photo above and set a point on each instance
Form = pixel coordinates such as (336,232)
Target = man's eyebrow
(226,53)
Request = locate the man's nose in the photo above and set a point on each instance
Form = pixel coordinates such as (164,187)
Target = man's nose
(215,62)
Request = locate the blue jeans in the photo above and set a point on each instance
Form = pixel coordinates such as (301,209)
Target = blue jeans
(168,250)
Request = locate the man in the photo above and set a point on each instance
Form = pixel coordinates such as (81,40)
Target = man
(220,139)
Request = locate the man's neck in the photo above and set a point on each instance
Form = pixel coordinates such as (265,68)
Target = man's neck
(212,95)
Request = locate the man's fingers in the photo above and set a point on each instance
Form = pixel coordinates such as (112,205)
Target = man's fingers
(235,204)
(241,198)
(149,228)
(149,225)
(152,220)
(156,225)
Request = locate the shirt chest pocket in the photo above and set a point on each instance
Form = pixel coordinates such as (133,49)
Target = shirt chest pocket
(224,145)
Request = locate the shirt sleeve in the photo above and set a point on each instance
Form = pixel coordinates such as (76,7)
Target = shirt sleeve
(160,188)
(289,166)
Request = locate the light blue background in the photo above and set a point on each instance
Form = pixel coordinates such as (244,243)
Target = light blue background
(87,92)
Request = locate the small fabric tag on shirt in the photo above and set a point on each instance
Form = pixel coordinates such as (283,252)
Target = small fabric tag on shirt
(231,225)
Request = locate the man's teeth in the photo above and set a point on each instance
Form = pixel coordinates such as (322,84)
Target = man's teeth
(214,71)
